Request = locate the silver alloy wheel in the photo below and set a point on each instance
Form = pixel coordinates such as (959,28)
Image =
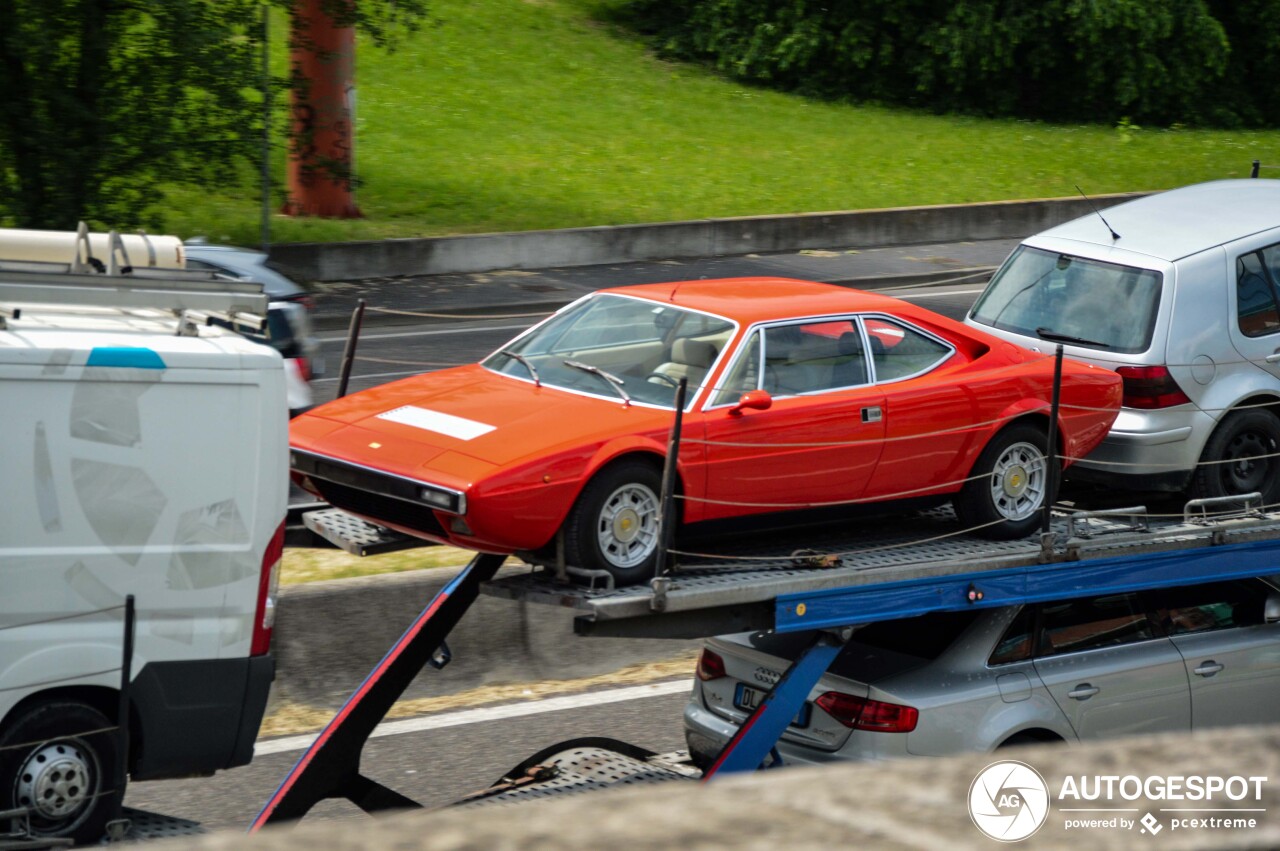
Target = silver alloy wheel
(627,527)
(1019,479)
(57,780)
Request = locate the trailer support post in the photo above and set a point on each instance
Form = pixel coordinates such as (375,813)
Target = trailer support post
(758,735)
(666,505)
(330,767)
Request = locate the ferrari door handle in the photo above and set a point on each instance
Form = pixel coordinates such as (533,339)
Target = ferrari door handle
(1274,357)
(1208,669)
(1084,691)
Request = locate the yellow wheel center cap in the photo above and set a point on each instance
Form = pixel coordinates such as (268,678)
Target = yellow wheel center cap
(626,525)
(1015,481)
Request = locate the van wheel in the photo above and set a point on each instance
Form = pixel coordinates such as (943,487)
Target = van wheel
(1010,485)
(1240,457)
(59,760)
(614,524)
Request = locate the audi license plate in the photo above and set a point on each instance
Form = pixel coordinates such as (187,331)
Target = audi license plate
(747,699)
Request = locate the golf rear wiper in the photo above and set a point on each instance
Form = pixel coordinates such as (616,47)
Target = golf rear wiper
(1045,333)
(612,380)
(527,365)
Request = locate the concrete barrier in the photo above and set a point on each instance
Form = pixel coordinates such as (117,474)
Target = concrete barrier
(919,804)
(336,261)
(329,635)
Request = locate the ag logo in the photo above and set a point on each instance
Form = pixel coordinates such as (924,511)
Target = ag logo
(1008,800)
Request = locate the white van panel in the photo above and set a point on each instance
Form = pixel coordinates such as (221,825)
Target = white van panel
(109,494)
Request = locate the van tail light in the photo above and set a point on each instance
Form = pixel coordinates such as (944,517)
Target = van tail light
(304,368)
(710,666)
(264,617)
(1150,387)
(861,713)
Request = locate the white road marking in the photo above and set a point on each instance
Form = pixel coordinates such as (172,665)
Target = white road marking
(490,713)
(391,335)
(915,296)
(375,375)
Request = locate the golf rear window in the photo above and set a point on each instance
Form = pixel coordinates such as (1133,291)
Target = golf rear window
(1064,298)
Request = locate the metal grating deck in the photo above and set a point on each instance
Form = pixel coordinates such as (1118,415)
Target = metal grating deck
(724,584)
(140,825)
(923,546)
(588,769)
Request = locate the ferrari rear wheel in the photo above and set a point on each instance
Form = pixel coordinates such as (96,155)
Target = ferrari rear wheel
(1009,485)
(614,526)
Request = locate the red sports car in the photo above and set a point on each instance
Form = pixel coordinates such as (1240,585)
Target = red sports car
(800,395)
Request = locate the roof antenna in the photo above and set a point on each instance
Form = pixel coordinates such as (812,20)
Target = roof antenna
(1114,235)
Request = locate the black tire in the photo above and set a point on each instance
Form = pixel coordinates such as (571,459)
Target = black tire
(59,759)
(1241,435)
(1007,491)
(614,524)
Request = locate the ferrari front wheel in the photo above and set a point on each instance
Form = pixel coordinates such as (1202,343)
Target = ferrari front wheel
(614,526)
(1008,486)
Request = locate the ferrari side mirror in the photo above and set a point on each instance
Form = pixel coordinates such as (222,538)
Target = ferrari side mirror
(756,400)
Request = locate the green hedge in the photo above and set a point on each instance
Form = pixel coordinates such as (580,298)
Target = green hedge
(1203,62)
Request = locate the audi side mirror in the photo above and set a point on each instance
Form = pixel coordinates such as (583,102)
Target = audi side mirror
(756,400)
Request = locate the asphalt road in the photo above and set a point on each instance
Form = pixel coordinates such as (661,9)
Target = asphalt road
(388,353)
(434,767)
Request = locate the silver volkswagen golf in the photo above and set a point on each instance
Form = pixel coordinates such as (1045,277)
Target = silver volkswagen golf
(1155,661)
(1179,293)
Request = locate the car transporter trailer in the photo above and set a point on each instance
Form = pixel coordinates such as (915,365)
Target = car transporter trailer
(840,581)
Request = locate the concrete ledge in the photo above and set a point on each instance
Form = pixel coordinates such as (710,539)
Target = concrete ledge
(445,255)
(329,635)
(920,804)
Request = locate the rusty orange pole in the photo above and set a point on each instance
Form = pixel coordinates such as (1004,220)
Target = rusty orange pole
(322,55)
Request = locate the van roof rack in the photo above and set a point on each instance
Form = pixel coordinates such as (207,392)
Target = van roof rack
(196,297)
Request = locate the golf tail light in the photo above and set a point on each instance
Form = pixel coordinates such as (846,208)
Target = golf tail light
(1150,388)
(710,666)
(861,713)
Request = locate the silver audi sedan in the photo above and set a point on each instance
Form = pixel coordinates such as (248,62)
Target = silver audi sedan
(1116,664)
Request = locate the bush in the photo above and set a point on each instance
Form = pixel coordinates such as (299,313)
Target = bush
(1149,61)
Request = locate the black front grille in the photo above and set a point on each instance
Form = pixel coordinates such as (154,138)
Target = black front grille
(377,506)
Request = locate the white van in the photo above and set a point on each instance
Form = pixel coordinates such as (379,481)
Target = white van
(144,454)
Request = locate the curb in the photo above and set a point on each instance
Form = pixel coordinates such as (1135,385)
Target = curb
(329,635)
(722,237)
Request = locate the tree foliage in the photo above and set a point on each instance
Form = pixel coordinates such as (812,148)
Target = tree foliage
(1159,61)
(103,101)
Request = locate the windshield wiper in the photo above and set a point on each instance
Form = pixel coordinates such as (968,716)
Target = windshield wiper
(612,380)
(537,382)
(1046,333)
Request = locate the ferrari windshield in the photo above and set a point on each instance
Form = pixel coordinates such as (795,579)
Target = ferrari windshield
(626,348)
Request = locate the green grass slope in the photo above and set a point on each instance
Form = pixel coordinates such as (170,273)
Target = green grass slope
(525,114)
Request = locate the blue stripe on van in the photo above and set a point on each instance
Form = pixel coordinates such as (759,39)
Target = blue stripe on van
(135,356)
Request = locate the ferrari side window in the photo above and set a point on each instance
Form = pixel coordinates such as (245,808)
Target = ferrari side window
(812,357)
(900,351)
(744,376)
